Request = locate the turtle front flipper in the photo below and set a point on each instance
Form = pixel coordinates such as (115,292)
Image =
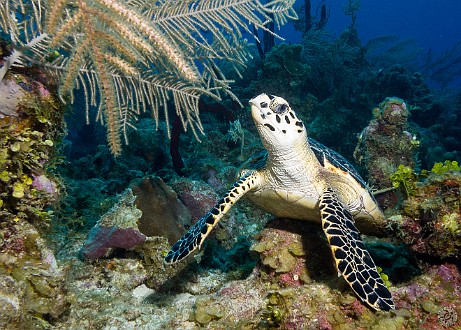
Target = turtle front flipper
(202,228)
(352,259)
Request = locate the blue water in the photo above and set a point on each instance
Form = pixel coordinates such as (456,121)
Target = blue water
(433,25)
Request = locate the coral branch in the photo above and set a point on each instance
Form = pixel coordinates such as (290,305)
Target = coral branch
(134,56)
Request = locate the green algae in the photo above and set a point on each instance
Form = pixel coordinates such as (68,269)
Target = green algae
(445,167)
(395,323)
(431,220)
(404,176)
(430,306)
(452,223)
(275,310)
(296,248)
(207,309)
(28,151)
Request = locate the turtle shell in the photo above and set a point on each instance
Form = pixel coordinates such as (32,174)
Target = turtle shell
(321,152)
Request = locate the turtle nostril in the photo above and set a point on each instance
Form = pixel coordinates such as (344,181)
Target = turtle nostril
(263,104)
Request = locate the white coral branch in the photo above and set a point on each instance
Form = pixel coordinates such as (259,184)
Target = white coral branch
(15,57)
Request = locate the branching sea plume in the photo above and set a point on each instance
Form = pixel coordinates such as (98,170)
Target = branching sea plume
(335,64)
(389,50)
(444,69)
(136,55)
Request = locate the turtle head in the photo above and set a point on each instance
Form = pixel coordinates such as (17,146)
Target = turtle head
(276,122)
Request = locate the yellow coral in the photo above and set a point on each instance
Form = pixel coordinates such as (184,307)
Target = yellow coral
(451,222)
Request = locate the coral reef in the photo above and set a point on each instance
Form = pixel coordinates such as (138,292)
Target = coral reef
(428,311)
(282,251)
(282,64)
(31,123)
(110,293)
(32,289)
(116,229)
(434,116)
(162,213)
(32,292)
(430,221)
(400,82)
(196,195)
(385,144)
(249,275)
(158,276)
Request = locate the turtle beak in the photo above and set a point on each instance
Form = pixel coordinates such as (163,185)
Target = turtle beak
(254,101)
(258,104)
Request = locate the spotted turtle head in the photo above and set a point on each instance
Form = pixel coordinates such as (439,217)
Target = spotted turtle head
(276,122)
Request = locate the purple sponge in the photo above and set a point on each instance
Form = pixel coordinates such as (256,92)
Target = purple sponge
(102,239)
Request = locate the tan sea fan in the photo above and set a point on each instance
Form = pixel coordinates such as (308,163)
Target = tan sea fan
(137,55)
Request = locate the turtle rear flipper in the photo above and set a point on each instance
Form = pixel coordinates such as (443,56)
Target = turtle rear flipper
(352,259)
(194,238)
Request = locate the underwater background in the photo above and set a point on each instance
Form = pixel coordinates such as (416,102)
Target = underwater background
(124,122)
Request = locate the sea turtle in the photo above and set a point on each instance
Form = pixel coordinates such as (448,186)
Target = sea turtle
(300,178)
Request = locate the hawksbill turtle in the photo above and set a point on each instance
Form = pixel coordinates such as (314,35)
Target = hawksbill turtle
(299,178)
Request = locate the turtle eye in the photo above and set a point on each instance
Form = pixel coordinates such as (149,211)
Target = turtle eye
(280,108)
(263,104)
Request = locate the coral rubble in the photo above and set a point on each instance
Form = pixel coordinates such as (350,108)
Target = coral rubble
(385,144)
(32,289)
